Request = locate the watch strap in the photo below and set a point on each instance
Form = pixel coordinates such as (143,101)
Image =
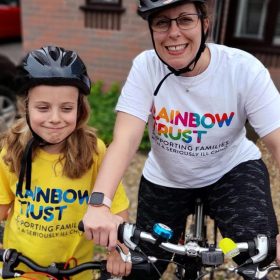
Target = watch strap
(107,201)
(99,199)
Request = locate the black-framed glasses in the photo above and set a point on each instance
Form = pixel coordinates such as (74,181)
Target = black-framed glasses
(184,22)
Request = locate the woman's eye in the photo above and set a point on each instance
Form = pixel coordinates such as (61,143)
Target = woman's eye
(185,20)
(161,22)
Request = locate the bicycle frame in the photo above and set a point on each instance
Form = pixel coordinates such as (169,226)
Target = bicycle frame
(197,233)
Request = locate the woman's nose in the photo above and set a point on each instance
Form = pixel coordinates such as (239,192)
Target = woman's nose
(174,29)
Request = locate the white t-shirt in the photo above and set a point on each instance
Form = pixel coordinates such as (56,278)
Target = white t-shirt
(196,124)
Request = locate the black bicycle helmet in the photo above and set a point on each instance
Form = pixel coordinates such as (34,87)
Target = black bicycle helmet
(149,7)
(52,65)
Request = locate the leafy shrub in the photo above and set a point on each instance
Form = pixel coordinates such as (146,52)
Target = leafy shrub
(103,113)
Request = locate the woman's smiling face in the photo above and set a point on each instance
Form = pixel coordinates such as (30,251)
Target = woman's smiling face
(178,47)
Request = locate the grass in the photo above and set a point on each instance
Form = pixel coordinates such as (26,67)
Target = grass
(103,113)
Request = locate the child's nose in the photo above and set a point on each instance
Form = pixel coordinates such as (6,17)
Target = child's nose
(55,116)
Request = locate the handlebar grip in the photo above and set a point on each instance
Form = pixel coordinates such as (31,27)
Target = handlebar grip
(121,232)
(272,244)
(81,226)
(142,268)
(1,254)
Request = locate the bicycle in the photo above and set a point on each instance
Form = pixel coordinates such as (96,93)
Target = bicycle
(209,255)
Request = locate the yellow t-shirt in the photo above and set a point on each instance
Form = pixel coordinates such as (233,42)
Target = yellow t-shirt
(43,222)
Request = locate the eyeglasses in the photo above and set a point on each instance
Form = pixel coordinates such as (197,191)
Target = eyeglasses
(184,22)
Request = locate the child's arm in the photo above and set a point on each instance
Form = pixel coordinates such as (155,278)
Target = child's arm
(4,209)
(115,265)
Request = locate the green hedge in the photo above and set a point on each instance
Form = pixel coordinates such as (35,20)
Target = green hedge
(103,113)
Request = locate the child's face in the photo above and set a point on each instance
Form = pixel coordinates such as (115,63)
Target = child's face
(53,113)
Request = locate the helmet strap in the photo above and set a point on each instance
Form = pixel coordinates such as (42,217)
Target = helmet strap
(191,65)
(26,167)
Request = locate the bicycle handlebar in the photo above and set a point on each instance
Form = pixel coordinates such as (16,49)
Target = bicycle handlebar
(12,258)
(131,236)
(128,234)
(258,249)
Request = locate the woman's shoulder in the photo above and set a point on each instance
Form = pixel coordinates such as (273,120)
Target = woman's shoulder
(232,53)
(235,59)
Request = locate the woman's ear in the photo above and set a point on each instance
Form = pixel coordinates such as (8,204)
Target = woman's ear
(206,24)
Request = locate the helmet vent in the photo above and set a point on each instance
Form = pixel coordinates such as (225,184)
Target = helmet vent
(54,53)
(41,58)
(67,59)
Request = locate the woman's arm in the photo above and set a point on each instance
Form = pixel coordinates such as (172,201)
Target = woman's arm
(272,142)
(99,223)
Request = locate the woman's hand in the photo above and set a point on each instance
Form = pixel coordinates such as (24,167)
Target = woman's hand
(116,266)
(102,226)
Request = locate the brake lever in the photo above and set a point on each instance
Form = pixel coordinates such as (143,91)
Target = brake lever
(252,271)
(125,257)
(260,274)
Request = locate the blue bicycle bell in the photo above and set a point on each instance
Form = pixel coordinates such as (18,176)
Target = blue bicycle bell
(163,231)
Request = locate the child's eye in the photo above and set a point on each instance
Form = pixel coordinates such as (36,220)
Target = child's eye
(42,108)
(67,109)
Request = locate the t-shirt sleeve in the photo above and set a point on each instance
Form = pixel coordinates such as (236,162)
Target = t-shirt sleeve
(120,200)
(6,194)
(263,104)
(137,94)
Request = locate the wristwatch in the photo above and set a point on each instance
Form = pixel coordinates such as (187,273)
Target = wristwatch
(99,199)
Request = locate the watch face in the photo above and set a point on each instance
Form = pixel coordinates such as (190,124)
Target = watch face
(96,198)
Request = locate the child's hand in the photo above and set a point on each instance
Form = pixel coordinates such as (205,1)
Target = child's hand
(116,266)
(278,249)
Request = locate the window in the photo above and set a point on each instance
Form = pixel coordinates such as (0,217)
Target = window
(251,19)
(254,25)
(276,40)
(103,14)
(217,20)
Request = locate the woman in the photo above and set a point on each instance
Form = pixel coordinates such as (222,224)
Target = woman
(196,98)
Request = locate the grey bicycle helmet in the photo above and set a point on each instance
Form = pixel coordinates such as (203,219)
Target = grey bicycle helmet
(149,7)
(52,65)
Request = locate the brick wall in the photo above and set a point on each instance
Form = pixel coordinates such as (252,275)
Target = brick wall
(108,53)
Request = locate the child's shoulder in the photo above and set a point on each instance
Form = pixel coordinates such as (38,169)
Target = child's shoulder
(100,145)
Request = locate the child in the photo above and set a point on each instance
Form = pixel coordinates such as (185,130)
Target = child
(51,138)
